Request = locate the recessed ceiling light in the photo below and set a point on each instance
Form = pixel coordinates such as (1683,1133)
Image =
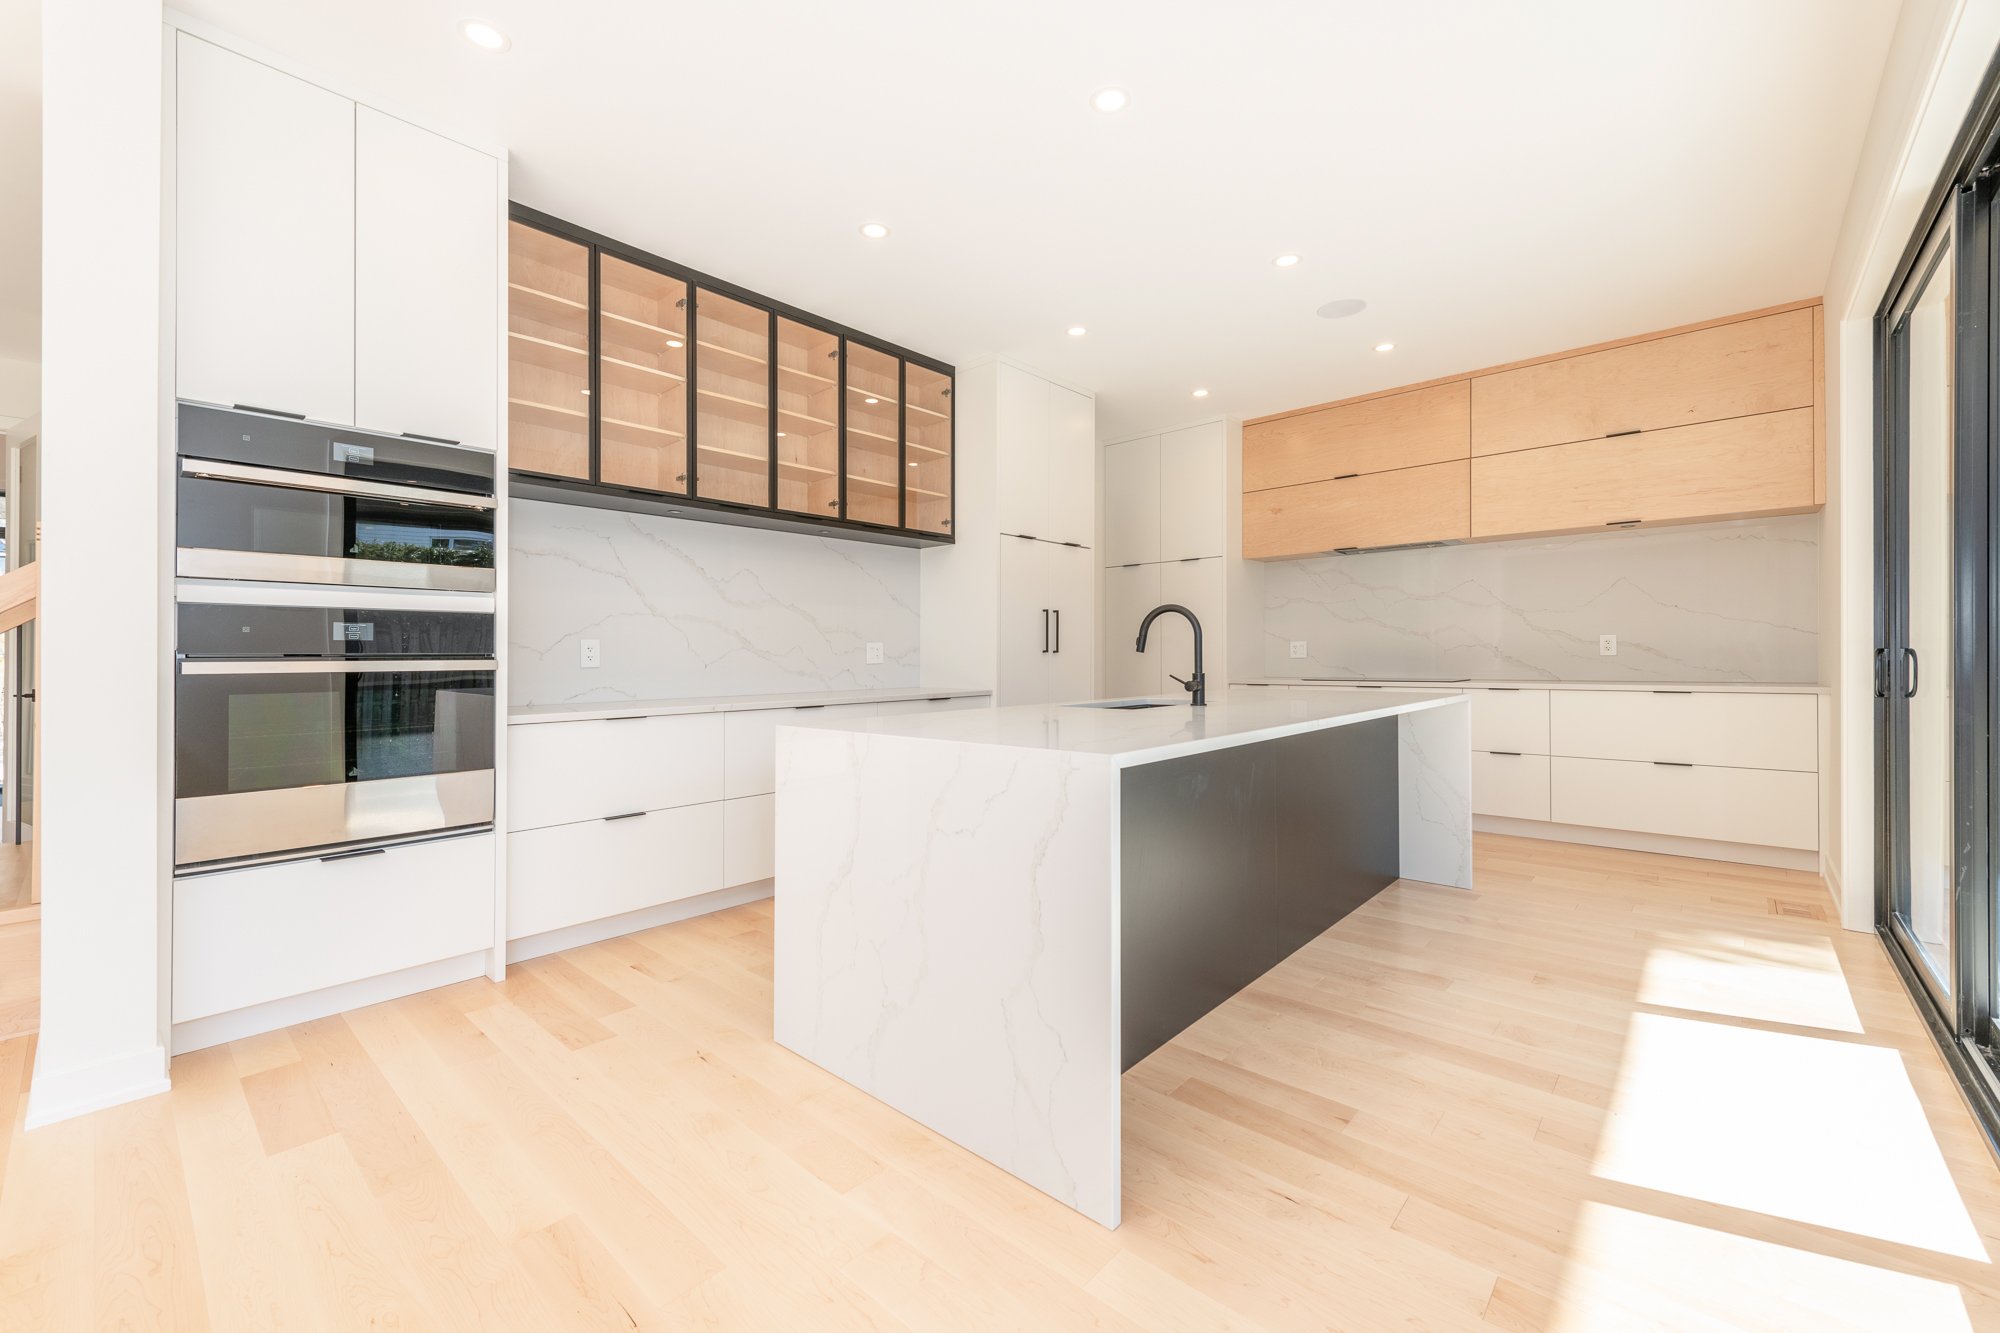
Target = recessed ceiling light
(1076,330)
(1285,261)
(484,35)
(1109,99)
(1385,347)
(1341,309)
(1201,393)
(874,231)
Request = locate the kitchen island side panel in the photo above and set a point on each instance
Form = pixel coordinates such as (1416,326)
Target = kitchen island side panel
(1233,859)
(946,941)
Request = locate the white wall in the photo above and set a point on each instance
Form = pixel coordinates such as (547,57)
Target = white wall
(1939,54)
(682,608)
(20,390)
(104,591)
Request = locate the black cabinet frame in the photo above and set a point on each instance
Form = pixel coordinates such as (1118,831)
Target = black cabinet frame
(598,494)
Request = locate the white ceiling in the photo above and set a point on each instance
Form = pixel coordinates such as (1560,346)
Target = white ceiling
(1497,178)
(20,180)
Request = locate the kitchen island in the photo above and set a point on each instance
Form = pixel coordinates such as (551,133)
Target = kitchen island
(984,918)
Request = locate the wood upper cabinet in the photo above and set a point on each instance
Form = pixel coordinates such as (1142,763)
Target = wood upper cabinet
(1716,470)
(1401,430)
(1739,369)
(1398,508)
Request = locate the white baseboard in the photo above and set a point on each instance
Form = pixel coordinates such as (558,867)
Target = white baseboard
(60,1094)
(590,932)
(199,1033)
(1781,858)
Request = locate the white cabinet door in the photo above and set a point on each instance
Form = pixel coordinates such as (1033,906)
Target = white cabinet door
(1510,721)
(1763,807)
(1132,502)
(573,873)
(1026,622)
(426,283)
(750,747)
(1193,494)
(263,237)
(1072,468)
(1022,499)
(749,839)
(1129,593)
(1197,585)
(1069,580)
(565,772)
(1515,786)
(1690,727)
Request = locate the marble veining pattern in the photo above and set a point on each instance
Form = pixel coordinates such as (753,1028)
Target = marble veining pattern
(1705,602)
(1434,790)
(685,608)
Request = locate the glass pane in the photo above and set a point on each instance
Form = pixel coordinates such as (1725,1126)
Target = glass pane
(548,354)
(732,429)
(642,377)
(873,456)
(808,416)
(927,448)
(1924,898)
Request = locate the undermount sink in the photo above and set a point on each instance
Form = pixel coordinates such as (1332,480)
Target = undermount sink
(1121,704)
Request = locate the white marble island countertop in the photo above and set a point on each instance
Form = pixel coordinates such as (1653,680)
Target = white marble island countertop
(527,714)
(1144,735)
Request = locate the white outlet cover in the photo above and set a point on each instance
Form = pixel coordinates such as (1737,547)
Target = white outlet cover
(1607,645)
(590,657)
(874,654)
(1298,647)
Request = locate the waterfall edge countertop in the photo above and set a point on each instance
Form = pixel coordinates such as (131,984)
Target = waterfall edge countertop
(1128,736)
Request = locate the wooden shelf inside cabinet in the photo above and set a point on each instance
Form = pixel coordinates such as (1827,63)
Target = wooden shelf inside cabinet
(802,381)
(747,365)
(543,307)
(728,405)
(547,353)
(629,323)
(872,397)
(922,411)
(749,462)
(622,374)
(548,414)
(638,432)
(879,444)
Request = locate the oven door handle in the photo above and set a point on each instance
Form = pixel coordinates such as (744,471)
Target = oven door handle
(321,666)
(215,470)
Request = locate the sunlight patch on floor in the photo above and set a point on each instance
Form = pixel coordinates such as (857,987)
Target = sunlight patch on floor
(1637,1270)
(1793,981)
(1819,1131)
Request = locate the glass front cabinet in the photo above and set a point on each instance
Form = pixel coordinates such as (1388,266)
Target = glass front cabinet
(635,384)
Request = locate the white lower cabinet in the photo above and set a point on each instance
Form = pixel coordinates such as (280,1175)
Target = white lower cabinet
(749,839)
(247,937)
(1688,726)
(1511,786)
(573,873)
(1130,591)
(1764,807)
(1047,633)
(1510,720)
(564,772)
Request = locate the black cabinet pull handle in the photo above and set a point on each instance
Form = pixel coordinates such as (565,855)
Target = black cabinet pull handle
(1614,434)
(1511,754)
(1912,673)
(1045,629)
(270,412)
(631,814)
(1881,675)
(1673,691)
(433,439)
(1345,475)
(1058,630)
(349,856)
(1670,763)
(1624,523)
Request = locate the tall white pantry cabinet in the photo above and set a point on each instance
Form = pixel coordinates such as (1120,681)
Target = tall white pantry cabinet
(1012,603)
(338,262)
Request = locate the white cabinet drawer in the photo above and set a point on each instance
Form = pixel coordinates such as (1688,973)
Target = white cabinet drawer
(571,873)
(1515,786)
(750,747)
(1725,730)
(1763,807)
(1514,720)
(749,839)
(244,937)
(562,772)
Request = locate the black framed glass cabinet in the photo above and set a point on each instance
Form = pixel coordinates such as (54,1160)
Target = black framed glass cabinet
(635,383)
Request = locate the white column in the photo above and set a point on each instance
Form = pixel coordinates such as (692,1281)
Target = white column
(105,592)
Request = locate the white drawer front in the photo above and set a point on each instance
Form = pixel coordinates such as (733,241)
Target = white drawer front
(564,772)
(1764,807)
(1516,720)
(1513,785)
(1727,730)
(245,937)
(750,750)
(571,873)
(749,839)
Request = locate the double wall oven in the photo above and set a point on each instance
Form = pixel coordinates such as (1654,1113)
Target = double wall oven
(336,669)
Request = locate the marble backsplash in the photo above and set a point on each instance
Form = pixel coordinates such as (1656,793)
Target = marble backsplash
(683,608)
(1708,602)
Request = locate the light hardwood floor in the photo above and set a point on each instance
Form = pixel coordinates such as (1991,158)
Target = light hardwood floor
(1604,1090)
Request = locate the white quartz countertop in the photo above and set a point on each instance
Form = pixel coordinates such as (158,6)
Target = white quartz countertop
(1148,735)
(723,703)
(1630,686)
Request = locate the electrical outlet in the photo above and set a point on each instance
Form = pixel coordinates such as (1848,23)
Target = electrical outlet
(590,658)
(874,654)
(1298,647)
(1607,645)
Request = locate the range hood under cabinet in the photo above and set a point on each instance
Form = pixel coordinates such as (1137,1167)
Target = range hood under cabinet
(637,384)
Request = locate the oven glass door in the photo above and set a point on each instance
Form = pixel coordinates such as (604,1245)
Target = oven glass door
(278,757)
(246,530)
